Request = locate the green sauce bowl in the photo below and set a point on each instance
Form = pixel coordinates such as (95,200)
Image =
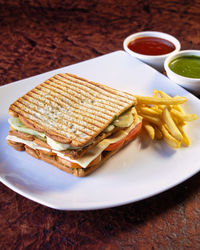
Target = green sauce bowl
(183,68)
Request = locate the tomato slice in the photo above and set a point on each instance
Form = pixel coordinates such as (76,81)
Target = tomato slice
(134,132)
(116,145)
(131,135)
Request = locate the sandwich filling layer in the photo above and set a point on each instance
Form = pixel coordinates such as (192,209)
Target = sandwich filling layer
(91,154)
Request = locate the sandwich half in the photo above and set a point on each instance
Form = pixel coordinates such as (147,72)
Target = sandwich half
(72,123)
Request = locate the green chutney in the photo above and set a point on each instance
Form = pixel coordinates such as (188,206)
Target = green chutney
(188,66)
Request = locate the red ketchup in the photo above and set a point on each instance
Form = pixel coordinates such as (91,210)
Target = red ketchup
(152,46)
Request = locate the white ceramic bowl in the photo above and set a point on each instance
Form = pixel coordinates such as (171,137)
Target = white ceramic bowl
(156,62)
(192,84)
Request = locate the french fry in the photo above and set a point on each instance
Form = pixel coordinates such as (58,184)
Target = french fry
(155,93)
(150,111)
(152,119)
(182,116)
(158,133)
(169,139)
(160,101)
(185,140)
(178,121)
(150,129)
(157,108)
(171,125)
(163,94)
(179,108)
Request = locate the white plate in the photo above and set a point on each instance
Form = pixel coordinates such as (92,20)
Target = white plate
(140,170)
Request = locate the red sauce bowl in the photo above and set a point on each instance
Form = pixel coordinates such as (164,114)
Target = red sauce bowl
(151,47)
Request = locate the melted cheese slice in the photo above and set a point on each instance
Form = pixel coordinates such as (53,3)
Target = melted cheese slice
(91,154)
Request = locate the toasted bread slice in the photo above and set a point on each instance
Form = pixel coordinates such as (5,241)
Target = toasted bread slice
(70,109)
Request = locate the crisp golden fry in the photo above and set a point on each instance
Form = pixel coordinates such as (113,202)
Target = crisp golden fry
(171,125)
(185,140)
(152,119)
(161,107)
(163,94)
(150,111)
(169,139)
(184,117)
(160,101)
(178,108)
(158,133)
(155,93)
(150,129)
(178,121)
(157,109)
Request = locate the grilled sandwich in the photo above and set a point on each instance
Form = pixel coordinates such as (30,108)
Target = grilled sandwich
(72,123)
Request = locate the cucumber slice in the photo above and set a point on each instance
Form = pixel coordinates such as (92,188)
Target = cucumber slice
(19,126)
(124,120)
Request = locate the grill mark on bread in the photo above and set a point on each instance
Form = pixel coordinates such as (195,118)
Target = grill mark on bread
(74,102)
(89,113)
(75,95)
(58,135)
(56,132)
(30,124)
(20,113)
(42,123)
(47,118)
(80,93)
(88,116)
(58,112)
(60,106)
(122,96)
(89,92)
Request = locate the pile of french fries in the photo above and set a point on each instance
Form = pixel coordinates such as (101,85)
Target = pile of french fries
(164,118)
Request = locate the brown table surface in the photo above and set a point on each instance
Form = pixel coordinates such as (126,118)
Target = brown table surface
(38,36)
